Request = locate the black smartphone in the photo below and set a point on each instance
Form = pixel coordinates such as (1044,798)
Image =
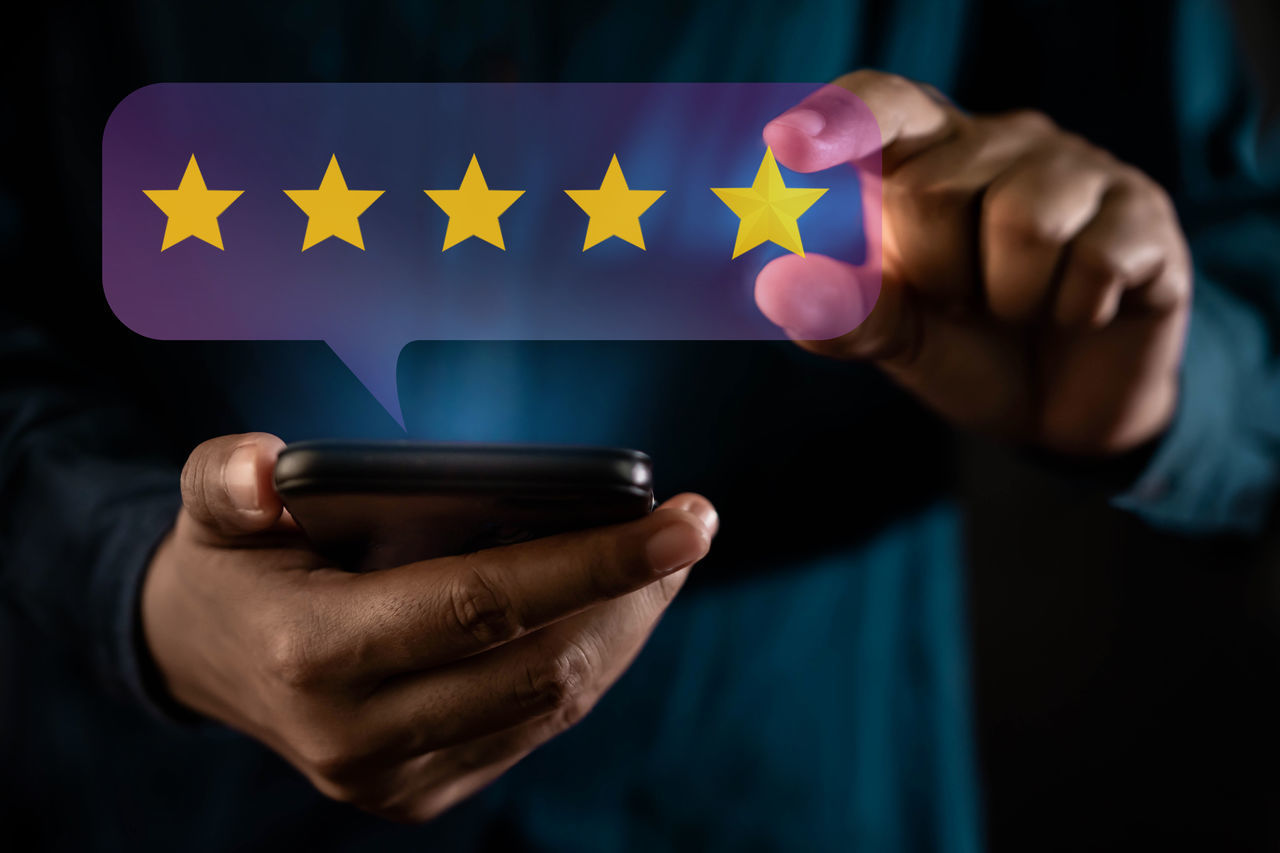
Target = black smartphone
(372,505)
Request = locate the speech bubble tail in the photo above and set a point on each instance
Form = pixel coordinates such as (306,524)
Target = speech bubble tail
(373,361)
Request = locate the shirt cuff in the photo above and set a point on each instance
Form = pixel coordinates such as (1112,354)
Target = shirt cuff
(121,567)
(1209,474)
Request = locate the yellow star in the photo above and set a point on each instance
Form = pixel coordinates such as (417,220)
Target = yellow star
(473,208)
(768,209)
(614,210)
(333,210)
(193,209)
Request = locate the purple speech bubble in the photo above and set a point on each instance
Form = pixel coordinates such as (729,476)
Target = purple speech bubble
(305,249)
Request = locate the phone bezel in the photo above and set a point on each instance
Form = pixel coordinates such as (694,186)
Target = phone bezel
(340,466)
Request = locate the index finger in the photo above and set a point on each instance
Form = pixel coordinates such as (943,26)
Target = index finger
(860,116)
(425,614)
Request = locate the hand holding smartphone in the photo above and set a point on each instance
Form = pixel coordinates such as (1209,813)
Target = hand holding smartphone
(468,662)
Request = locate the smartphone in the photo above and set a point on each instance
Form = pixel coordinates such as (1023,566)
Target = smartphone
(372,505)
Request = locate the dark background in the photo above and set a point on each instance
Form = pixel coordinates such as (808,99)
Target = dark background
(1127,682)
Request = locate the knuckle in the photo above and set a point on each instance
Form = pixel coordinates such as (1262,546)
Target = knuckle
(474,756)
(865,78)
(887,92)
(556,683)
(926,199)
(571,714)
(556,722)
(1078,153)
(482,610)
(1018,223)
(1163,199)
(334,774)
(336,761)
(888,82)
(343,789)
(1173,288)
(1137,181)
(492,757)
(1149,192)
(1028,121)
(331,775)
(421,810)
(1014,215)
(293,660)
(336,791)
(1094,263)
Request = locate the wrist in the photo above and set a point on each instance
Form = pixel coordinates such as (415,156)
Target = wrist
(158,627)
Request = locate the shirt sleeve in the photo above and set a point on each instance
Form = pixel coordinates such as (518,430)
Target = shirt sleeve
(1217,470)
(1218,467)
(84,500)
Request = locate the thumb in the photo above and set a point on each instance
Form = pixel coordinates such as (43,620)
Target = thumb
(836,309)
(227,483)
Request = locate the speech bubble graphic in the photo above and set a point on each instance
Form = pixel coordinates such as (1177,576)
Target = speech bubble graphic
(367,215)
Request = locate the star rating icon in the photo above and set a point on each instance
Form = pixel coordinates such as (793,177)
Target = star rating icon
(473,208)
(333,210)
(192,209)
(614,210)
(768,209)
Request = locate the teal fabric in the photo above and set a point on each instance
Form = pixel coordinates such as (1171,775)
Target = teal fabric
(821,708)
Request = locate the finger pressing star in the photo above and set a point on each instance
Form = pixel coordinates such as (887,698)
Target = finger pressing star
(192,209)
(333,210)
(614,210)
(473,208)
(768,209)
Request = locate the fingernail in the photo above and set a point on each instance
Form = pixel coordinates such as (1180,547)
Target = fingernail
(675,546)
(808,122)
(705,512)
(241,477)
(709,517)
(700,507)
